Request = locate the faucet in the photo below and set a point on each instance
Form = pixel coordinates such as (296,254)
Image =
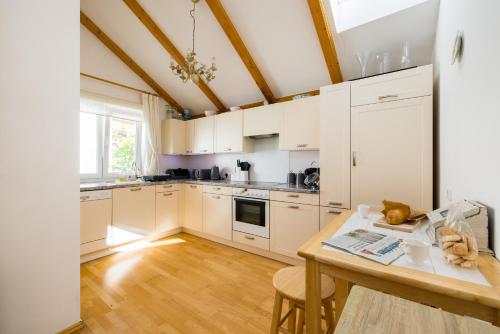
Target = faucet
(136,170)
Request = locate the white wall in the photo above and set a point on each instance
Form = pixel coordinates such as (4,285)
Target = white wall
(468,106)
(268,163)
(39,204)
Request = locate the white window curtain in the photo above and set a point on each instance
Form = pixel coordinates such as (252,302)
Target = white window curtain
(151,151)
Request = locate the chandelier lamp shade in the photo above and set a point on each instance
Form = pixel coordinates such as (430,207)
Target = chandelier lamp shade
(192,70)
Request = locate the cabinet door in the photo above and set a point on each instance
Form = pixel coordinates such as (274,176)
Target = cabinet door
(217,215)
(193,207)
(335,153)
(189,129)
(326,215)
(95,220)
(173,136)
(229,132)
(133,213)
(392,153)
(291,226)
(300,125)
(264,120)
(167,211)
(204,135)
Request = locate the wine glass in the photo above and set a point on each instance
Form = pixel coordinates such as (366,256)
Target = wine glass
(363,58)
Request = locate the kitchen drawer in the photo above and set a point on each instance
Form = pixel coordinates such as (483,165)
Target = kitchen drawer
(95,195)
(218,190)
(251,240)
(291,197)
(160,188)
(405,84)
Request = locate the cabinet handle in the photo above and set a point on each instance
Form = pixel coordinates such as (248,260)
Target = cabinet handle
(301,145)
(218,188)
(249,237)
(189,151)
(354,160)
(334,203)
(294,207)
(204,150)
(216,197)
(334,211)
(388,96)
(84,198)
(228,149)
(193,186)
(167,194)
(167,186)
(294,196)
(136,189)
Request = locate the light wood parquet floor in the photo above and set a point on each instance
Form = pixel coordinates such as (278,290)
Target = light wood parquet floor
(180,284)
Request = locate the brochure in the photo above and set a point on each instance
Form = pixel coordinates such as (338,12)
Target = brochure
(373,246)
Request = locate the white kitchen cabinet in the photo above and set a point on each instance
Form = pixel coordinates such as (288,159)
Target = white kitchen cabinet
(326,215)
(392,153)
(291,226)
(300,124)
(133,213)
(204,135)
(262,121)
(167,211)
(193,207)
(217,215)
(95,220)
(173,136)
(189,136)
(229,133)
(335,142)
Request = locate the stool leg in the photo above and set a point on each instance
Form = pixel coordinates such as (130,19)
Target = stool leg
(291,317)
(330,324)
(278,304)
(301,322)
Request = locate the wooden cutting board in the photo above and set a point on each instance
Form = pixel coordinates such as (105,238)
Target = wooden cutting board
(408,227)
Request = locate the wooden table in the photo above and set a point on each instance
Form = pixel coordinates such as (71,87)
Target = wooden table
(453,295)
(370,311)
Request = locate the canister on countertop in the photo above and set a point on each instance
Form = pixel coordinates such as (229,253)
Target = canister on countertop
(300,178)
(292,178)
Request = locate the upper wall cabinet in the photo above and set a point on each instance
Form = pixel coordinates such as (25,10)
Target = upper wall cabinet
(189,137)
(300,124)
(173,137)
(204,135)
(229,133)
(262,121)
(399,85)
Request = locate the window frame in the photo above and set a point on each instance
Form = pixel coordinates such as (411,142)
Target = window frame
(99,150)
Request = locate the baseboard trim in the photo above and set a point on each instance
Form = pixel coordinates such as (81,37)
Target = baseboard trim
(73,328)
(246,248)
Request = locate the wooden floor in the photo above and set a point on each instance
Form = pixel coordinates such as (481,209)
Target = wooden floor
(181,284)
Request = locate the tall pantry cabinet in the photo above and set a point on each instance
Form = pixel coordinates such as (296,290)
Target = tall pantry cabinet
(376,141)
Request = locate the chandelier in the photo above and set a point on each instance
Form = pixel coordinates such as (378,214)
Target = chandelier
(192,69)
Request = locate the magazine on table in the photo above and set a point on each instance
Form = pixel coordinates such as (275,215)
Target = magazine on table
(371,245)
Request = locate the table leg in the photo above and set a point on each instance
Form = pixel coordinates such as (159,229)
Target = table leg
(497,320)
(342,288)
(313,297)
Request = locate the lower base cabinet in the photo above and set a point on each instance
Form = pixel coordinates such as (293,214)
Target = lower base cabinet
(291,226)
(326,215)
(217,215)
(193,207)
(167,211)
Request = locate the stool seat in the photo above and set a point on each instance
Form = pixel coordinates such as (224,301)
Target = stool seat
(290,282)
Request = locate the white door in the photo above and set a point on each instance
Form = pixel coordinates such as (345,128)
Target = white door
(392,153)
(291,226)
(300,125)
(204,135)
(193,207)
(335,146)
(189,142)
(167,211)
(229,132)
(217,215)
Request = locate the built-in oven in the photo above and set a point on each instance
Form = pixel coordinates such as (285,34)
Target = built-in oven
(251,211)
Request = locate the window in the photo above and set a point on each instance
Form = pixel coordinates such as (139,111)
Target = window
(110,138)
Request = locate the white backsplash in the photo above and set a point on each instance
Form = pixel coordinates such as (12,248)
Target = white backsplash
(268,163)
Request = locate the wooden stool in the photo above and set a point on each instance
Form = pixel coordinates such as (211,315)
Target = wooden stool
(290,284)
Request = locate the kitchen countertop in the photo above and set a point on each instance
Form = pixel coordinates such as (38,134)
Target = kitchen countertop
(252,185)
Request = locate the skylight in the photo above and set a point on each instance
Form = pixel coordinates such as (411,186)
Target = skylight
(349,14)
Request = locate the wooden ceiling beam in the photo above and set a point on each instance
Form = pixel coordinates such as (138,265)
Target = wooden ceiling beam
(155,30)
(235,39)
(317,8)
(108,42)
